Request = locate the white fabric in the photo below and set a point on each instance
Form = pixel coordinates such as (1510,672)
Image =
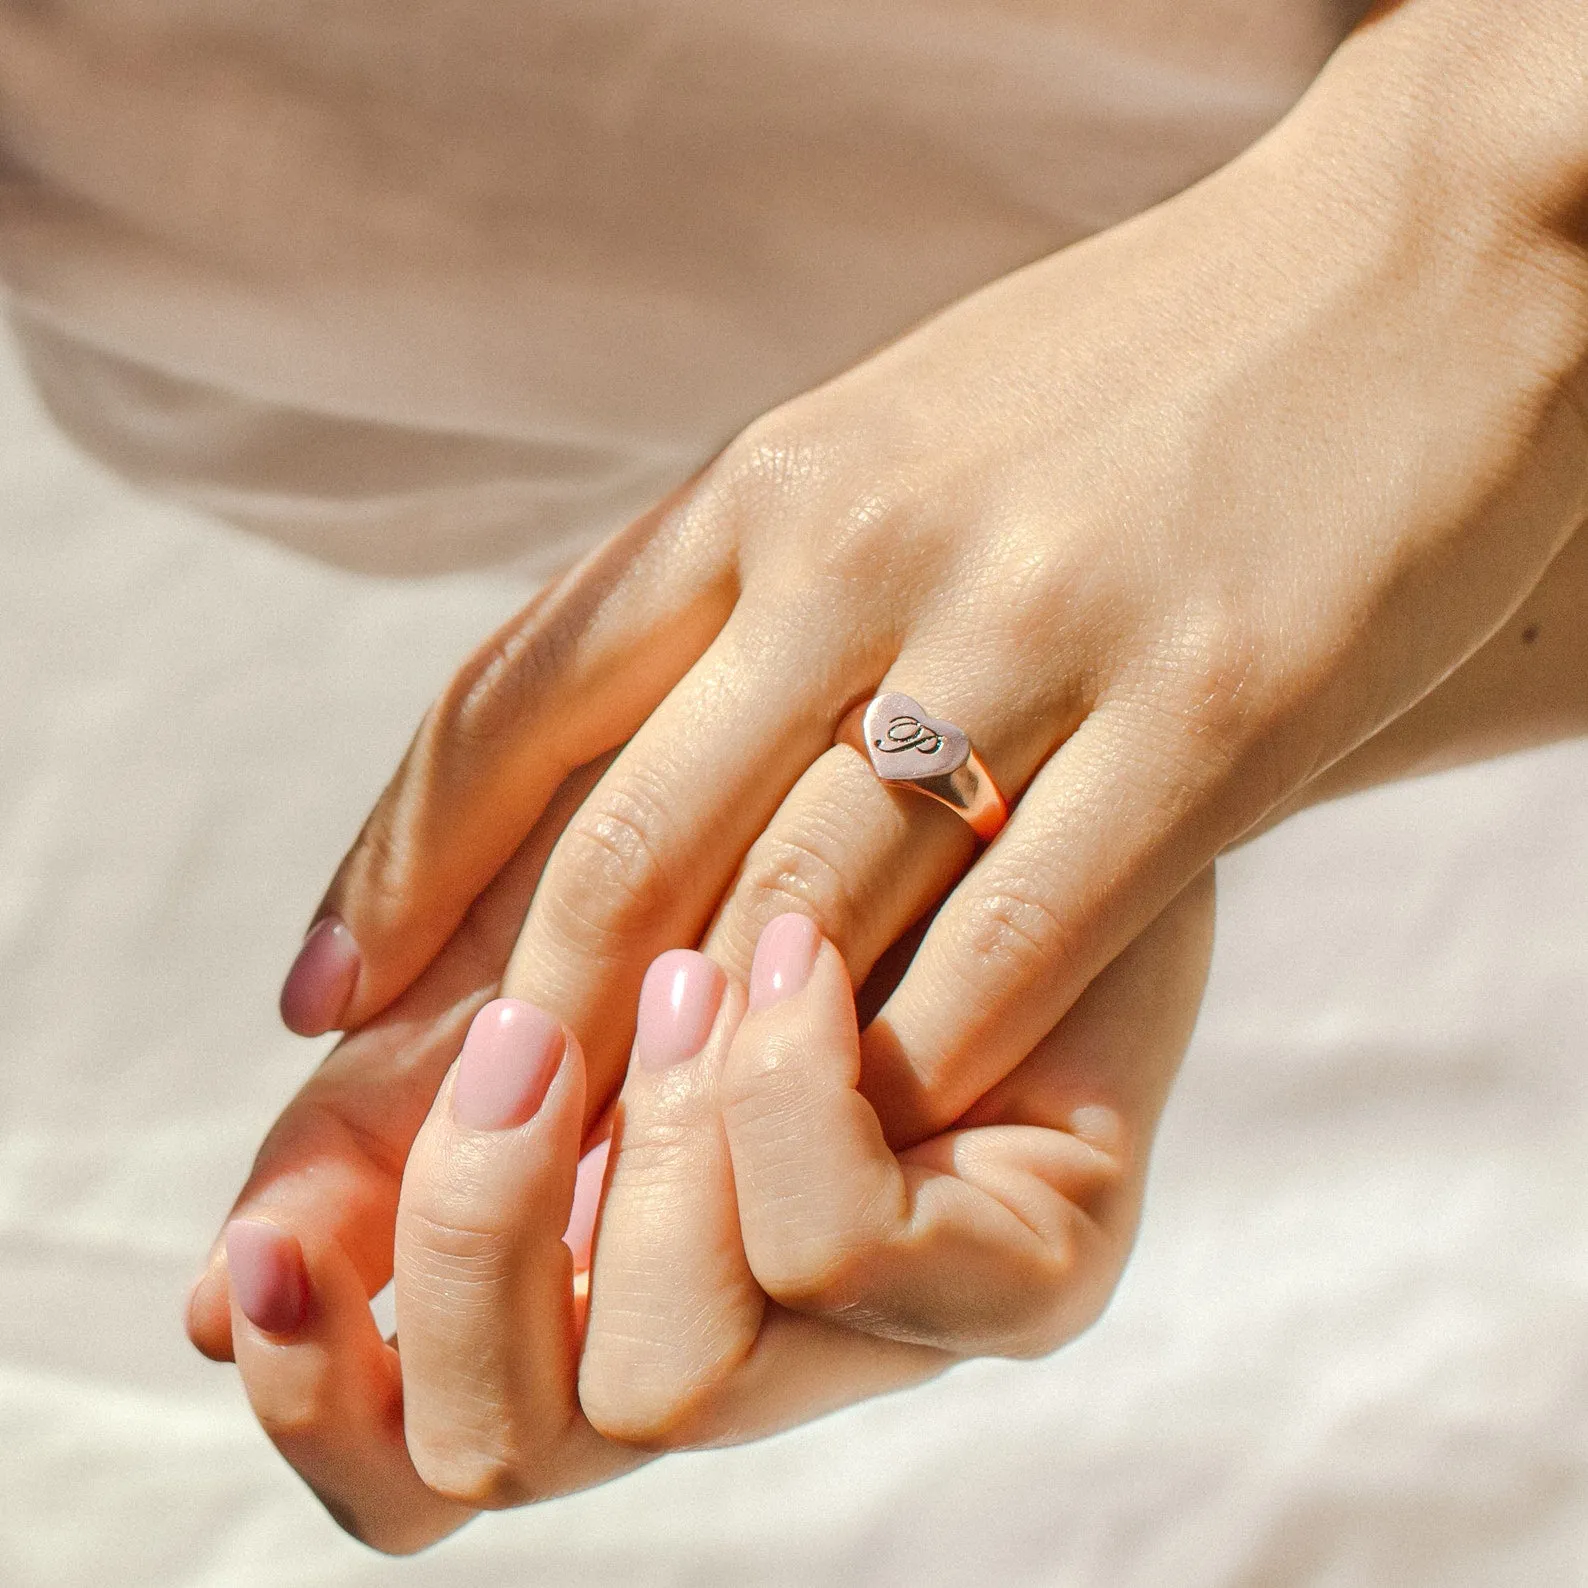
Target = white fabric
(430,281)
(456,282)
(1350,1352)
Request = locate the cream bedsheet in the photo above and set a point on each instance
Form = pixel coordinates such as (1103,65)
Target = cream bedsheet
(1352,1348)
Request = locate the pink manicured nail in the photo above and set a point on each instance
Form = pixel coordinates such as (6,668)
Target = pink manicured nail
(579,1237)
(508,1059)
(677,1006)
(321,980)
(268,1276)
(783,959)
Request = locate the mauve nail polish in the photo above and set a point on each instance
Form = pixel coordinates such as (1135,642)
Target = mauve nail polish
(268,1276)
(321,980)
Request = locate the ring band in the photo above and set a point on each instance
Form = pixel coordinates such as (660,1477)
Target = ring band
(909,747)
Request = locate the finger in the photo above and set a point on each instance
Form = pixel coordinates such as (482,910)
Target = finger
(1105,1072)
(866,859)
(326,1388)
(857,858)
(333,1161)
(569,678)
(995,1237)
(1098,843)
(484,1281)
(834,1224)
(646,859)
(674,1308)
(683,1348)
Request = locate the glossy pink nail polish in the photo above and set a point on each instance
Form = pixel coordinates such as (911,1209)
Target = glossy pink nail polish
(508,1059)
(678,1004)
(579,1237)
(268,1276)
(321,980)
(784,957)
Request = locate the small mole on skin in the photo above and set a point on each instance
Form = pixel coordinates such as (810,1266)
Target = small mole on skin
(1530,633)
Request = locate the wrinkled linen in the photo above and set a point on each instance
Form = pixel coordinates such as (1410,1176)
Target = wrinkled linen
(292,276)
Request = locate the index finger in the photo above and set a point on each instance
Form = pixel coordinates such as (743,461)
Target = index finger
(569,678)
(333,1161)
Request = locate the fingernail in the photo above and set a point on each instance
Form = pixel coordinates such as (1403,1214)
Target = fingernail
(508,1059)
(677,1006)
(784,956)
(579,1237)
(268,1276)
(321,980)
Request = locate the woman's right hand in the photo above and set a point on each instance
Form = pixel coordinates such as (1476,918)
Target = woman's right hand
(753,1212)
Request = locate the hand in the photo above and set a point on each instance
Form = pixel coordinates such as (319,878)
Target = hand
(1169,523)
(752,1213)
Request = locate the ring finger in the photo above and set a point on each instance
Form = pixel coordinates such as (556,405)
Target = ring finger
(866,861)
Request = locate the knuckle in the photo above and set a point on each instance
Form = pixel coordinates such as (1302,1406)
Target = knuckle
(811,1265)
(659,1351)
(299,1414)
(1013,938)
(760,1083)
(1066,1312)
(484,1471)
(1211,709)
(609,871)
(800,869)
(658,1162)
(381,869)
(632,1392)
(487,698)
(1211,677)
(1045,592)
(438,1240)
(810,1239)
(383,1534)
(863,539)
(779,456)
(801,461)
(810,1255)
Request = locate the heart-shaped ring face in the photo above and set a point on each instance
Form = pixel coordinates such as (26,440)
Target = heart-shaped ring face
(907,746)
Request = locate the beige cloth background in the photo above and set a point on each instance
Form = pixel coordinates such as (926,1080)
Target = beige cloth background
(1352,1349)
(269,257)
(415,284)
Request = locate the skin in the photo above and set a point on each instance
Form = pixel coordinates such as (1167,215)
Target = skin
(344,1155)
(752,1214)
(1271,493)
(1114,515)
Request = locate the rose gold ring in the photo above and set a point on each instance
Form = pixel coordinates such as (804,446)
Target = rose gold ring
(908,747)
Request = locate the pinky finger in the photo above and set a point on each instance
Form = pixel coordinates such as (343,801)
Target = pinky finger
(327,1388)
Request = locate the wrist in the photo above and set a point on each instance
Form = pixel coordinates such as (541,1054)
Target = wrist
(1452,136)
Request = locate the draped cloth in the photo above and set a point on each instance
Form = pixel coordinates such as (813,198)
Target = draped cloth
(423,283)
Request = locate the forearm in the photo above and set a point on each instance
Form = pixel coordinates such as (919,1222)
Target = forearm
(1460,130)
(1528,686)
